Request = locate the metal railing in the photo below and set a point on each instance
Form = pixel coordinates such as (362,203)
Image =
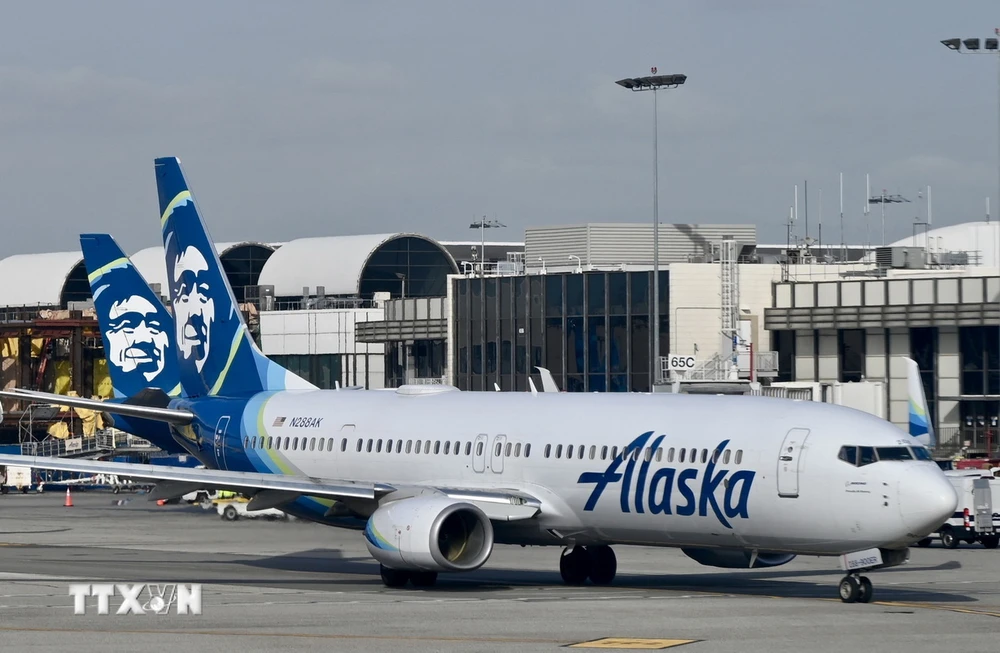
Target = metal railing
(966,442)
(104,441)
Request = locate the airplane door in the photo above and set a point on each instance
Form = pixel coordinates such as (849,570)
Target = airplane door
(479,453)
(496,453)
(220,441)
(788,462)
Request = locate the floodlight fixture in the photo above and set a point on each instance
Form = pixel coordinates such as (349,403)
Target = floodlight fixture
(652,82)
(953,44)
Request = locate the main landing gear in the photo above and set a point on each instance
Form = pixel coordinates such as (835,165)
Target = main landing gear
(855,589)
(598,563)
(399,577)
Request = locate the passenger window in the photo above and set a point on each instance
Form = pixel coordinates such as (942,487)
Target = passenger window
(670,455)
(635,453)
(468,448)
(510,447)
(517,450)
(559,451)
(322,443)
(569,451)
(497,450)
(479,448)
(849,455)
(388,446)
(593,451)
(417,446)
(458,448)
(527,450)
(409,446)
(649,454)
(580,451)
(312,444)
(614,452)
(447,447)
(399,446)
(368,449)
(295,444)
(437,447)
(739,456)
(715,456)
(359,445)
(681,458)
(704,456)
(866,456)
(659,454)
(378,446)
(343,444)
(921,453)
(548,450)
(725,457)
(604,452)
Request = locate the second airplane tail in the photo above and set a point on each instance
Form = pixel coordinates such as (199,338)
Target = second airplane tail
(921,427)
(215,353)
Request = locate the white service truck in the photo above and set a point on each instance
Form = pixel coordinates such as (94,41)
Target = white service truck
(977,517)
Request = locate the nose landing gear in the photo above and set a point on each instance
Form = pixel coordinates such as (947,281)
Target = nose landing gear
(855,589)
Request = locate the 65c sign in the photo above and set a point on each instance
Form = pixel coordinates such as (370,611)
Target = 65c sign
(680,363)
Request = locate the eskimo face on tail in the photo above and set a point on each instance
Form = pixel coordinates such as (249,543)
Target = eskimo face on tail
(137,337)
(194,308)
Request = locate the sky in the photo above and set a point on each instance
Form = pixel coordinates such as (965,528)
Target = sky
(319,118)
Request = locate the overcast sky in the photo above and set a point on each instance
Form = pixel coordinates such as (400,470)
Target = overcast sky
(318,118)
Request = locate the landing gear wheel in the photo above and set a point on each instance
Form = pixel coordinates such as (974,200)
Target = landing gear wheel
(924,543)
(230,513)
(866,590)
(990,541)
(850,589)
(948,540)
(423,578)
(574,565)
(393,577)
(603,564)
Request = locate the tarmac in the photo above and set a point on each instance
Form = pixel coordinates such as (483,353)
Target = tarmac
(276,585)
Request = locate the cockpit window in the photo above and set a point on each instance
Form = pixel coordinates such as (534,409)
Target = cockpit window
(866,456)
(921,453)
(894,453)
(849,455)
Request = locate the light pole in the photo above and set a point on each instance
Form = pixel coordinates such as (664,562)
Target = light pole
(402,278)
(990,46)
(579,262)
(654,83)
(884,199)
(482,226)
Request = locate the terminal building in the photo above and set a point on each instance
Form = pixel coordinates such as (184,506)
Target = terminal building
(385,310)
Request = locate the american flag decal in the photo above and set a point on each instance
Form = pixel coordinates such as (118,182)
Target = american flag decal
(279,421)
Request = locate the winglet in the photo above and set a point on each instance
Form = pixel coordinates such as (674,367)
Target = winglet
(548,381)
(534,390)
(920,422)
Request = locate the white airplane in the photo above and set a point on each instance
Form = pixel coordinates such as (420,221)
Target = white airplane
(436,477)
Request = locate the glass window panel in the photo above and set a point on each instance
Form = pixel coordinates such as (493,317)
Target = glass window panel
(597,383)
(597,341)
(554,346)
(574,294)
(553,295)
(618,344)
(639,292)
(617,293)
(535,296)
(596,298)
(640,345)
(575,363)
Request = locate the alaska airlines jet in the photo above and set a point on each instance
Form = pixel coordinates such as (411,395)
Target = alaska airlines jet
(436,477)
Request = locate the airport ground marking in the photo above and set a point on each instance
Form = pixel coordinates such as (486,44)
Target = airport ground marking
(633,643)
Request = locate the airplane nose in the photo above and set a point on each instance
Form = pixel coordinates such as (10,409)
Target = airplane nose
(926,500)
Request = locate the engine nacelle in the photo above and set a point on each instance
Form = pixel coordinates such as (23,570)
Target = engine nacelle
(429,533)
(737,558)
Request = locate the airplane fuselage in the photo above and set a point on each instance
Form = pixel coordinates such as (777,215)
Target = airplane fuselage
(705,471)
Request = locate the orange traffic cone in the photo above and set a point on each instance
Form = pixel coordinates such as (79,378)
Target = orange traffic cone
(161,502)
(69,499)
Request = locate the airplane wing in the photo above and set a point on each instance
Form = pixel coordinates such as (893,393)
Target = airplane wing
(273,490)
(169,415)
(206,478)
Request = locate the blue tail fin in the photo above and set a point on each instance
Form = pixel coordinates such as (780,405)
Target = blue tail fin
(215,353)
(921,427)
(136,328)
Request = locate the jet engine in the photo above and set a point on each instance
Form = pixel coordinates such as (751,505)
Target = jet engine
(429,533)
(737,558)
